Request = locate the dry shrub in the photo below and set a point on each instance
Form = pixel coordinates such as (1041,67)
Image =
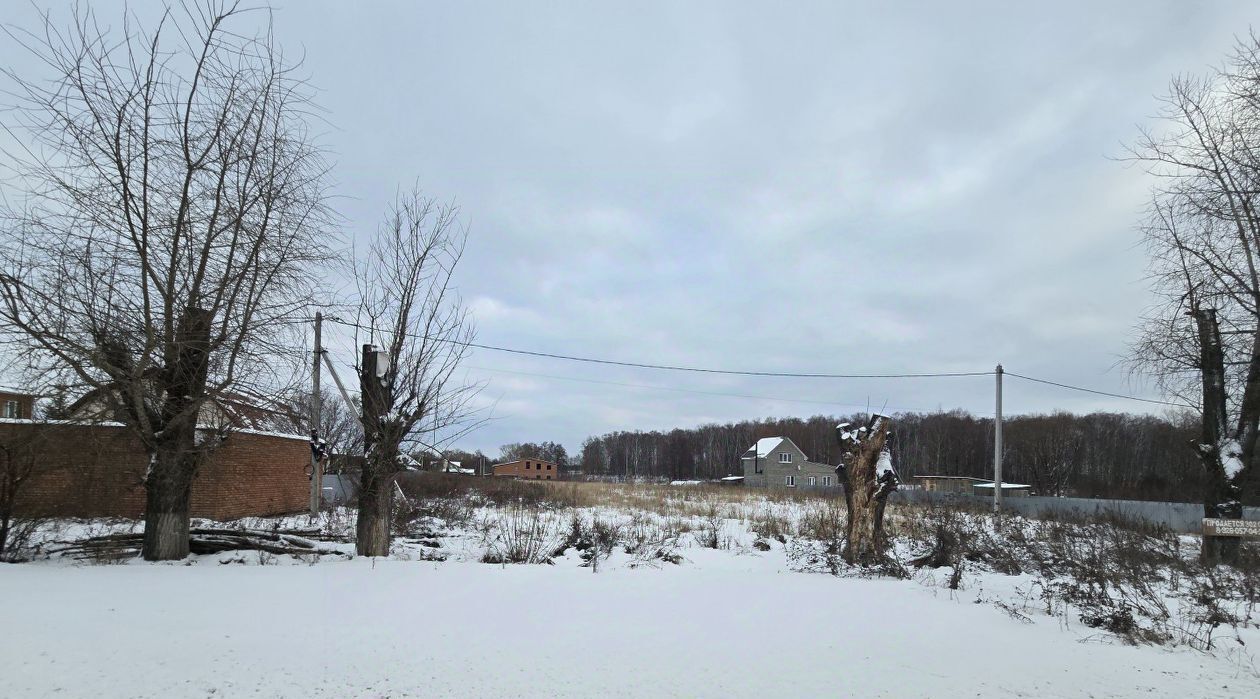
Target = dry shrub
(1118,574)
(417,485)
(650,543)
(825,522)
(20,542)
(710,534)
(766,524)
(594,538)
(521,533)
(820,544)
(336,523)
(418,517)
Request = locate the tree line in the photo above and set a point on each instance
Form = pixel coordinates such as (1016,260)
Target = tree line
(1112,455)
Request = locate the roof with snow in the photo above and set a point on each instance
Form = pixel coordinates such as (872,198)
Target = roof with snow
(764,446)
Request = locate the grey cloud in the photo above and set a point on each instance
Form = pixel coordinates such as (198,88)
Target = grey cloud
(820,188)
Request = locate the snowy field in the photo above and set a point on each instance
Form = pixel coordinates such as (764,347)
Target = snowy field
(736,621)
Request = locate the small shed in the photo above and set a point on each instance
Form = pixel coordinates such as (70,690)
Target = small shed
(963,485)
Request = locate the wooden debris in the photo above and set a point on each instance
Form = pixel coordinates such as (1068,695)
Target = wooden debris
(203,540)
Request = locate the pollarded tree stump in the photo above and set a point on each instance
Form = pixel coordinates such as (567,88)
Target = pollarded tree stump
(868,478)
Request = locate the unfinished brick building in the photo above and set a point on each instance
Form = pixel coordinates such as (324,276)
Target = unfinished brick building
(534,469)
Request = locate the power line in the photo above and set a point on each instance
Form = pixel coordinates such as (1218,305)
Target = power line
(1100,393)
(776,374)
(671,367)
(690,390)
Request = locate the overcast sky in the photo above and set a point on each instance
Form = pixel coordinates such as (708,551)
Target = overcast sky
(747,186)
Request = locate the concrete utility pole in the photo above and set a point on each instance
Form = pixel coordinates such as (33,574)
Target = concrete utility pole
(317,446)
(997,444)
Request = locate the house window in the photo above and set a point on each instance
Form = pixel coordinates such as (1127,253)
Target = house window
(826,480)
(812,481)
(12,409)
(785,457)
(548,467)
(789,481)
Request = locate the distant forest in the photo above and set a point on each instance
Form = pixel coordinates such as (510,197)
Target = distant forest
(1098,455)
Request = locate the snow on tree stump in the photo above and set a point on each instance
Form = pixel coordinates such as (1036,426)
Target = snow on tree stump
(867,473)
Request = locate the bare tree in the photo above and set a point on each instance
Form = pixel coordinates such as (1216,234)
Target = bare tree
(173,205)
(419,333)
(1046,448)
(1202,342)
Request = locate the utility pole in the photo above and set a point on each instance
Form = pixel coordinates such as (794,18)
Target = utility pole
(997,444)
(317,442)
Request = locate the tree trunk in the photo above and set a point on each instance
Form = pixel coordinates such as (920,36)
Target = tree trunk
(168,497)
(1221,496)
(8,494)
(1220,501)
(5,518)
(375,505)
(176,455)
(867,485)
(380,461)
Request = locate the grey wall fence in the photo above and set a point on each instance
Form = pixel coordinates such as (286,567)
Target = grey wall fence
(339,489)
(1185,517)
(1182,517)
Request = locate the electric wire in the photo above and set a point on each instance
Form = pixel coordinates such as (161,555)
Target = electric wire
(774,374)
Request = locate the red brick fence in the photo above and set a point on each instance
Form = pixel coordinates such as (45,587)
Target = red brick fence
(94,470)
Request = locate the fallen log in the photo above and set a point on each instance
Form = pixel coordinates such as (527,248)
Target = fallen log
(200,541)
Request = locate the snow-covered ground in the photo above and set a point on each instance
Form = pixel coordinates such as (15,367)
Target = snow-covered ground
(722,623)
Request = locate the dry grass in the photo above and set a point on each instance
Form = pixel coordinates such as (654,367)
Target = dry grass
(670,501)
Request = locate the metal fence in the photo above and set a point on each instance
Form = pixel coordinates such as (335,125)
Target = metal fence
(1185,517)
(339,489)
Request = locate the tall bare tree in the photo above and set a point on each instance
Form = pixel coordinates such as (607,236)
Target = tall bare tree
(172,205)
(419,332)
(1202,342)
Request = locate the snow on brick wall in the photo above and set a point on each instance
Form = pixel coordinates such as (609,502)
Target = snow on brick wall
(93,470)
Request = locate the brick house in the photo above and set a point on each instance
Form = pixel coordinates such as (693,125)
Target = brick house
(533,469)
(16,404)
(776,462)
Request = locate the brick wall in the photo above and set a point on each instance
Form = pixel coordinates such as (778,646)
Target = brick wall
(96,470)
